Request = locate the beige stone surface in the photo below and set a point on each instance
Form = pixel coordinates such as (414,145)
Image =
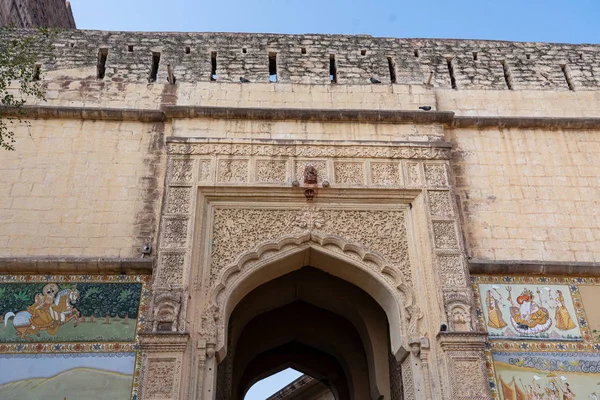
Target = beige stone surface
(76,188)
(529,194)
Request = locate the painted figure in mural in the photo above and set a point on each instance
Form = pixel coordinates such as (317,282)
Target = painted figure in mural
(526,315)
(567,393)
(594,396)
(495,319)
(552,392)
(49,312)
(562,317)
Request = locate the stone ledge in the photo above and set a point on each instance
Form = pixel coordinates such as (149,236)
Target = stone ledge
(446,118)
(310,114)
(527,122)
(85,113)
(72,265)
(510,267)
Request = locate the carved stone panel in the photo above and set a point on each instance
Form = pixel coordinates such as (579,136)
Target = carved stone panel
(238,230)
(407,380)
(413,174)
(469,381)
(174,233)
(440,204)
(452,271)
(233,171)
(271,171)
(179,200)
(385,174)
(349,173)
(159,382)
(181,171)
(205,171)
(435,175)
(170,268)
(445,235)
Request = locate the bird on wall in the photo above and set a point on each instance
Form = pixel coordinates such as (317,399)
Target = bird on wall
(425,108)
(244,80)
(375,81)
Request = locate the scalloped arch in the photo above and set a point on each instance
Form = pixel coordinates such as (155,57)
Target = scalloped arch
(386,283)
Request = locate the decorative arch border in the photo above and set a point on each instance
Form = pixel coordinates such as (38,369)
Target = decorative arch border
(216,314)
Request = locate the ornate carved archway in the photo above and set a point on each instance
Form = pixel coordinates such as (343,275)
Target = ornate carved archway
(234,217)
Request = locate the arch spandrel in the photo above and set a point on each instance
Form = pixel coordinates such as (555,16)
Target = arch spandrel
(352,262)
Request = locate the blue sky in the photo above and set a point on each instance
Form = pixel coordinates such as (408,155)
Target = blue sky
(570,21)
(565,21)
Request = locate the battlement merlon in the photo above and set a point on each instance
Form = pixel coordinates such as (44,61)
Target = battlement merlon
(320,59)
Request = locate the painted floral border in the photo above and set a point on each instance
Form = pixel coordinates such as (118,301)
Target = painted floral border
(532,345)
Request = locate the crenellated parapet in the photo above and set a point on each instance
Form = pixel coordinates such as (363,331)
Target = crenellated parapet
(321,59)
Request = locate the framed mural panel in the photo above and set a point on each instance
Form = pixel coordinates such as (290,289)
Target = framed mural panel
(542,345)
(71,335)
(517,311)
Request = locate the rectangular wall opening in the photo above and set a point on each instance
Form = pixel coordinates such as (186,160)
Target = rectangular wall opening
(416,52)
(392,68)
(155,65)
(101,67)
(273,67)
(475,55)
(37,72)
(332,69)
(303,50)
(213,66)
(451,72)
(507,75)
(130,48)
(567,74)
(188,50)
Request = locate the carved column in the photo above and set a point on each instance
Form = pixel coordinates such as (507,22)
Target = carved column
(464,361)
(162,364)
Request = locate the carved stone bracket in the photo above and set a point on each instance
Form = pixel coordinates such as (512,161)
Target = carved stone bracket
(168,310)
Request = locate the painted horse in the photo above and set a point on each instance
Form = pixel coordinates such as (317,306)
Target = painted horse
(47,314)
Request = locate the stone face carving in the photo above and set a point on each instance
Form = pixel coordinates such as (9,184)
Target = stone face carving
(349,173)
(452,271)
(160,382)
(413,175)
(385,174)
(435,175)
(167,307)
(440,204)
(179,200)
(233,171)
(170,269)
(300,167)
(459,310)
(241,148)
(271,171)
(444,233)
(311,175)
(181,171)
(174,233)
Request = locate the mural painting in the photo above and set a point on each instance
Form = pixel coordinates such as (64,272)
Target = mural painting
(70,336)
(517,311)
(551,376)
(69,311)
(67,376)
(590,296)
